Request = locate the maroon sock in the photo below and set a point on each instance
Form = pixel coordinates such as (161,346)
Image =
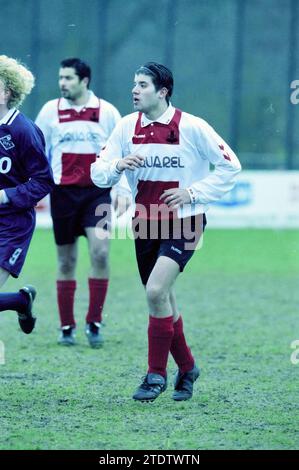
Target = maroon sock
(65,298)
(179,348)
(160,333)
(97,295)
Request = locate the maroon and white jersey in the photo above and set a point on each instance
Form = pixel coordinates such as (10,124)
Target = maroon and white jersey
(75,135)
(178,149)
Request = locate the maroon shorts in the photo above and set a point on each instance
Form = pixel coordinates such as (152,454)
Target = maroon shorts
(74,208)
(177,241)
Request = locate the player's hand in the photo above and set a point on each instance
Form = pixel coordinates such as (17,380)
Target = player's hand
(121,204)
(175,197)
(131,162)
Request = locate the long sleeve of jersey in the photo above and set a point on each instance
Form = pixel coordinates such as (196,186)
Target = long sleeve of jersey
(220,181)
(42,121)
(103,172)
(37,175)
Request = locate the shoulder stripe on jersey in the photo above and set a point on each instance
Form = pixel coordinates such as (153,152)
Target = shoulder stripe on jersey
(224,153)
(12,117)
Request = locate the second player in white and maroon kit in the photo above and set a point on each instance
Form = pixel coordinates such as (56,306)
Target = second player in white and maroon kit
(74,136)
(76,127)
(166,154)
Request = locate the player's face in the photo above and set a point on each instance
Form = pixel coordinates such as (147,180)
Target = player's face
(70,85)
(145,96)
(4,94)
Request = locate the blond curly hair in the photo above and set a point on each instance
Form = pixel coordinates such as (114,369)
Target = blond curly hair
(17,79)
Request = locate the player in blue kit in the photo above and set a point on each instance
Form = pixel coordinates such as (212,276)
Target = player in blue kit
(25,178)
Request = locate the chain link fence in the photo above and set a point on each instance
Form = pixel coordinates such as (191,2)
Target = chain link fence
(233,60)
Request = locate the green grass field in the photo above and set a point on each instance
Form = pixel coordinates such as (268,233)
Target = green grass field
(240,299)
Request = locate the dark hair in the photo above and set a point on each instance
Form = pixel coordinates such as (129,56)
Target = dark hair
(82,69)
(161,76)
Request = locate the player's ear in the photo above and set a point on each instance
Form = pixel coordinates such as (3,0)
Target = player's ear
(85,80)
(163,92)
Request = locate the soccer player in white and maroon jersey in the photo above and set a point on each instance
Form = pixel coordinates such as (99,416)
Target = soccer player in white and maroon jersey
(25,178)
(76,127)
(166,154)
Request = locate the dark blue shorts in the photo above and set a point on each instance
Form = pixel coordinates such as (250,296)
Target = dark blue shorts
(16,231)
(74,208)
(175,239)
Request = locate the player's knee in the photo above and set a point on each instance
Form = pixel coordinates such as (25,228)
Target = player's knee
(99,258)
(67,264)
(156,294)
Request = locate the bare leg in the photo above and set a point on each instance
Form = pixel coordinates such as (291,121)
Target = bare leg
(159,286)
(173,304)
(98,242)
(67,261)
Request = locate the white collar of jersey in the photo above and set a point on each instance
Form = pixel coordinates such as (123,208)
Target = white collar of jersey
(165,118)
(8,115)
(92,102)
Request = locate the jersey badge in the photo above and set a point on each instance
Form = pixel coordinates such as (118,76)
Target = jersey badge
(7,142)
